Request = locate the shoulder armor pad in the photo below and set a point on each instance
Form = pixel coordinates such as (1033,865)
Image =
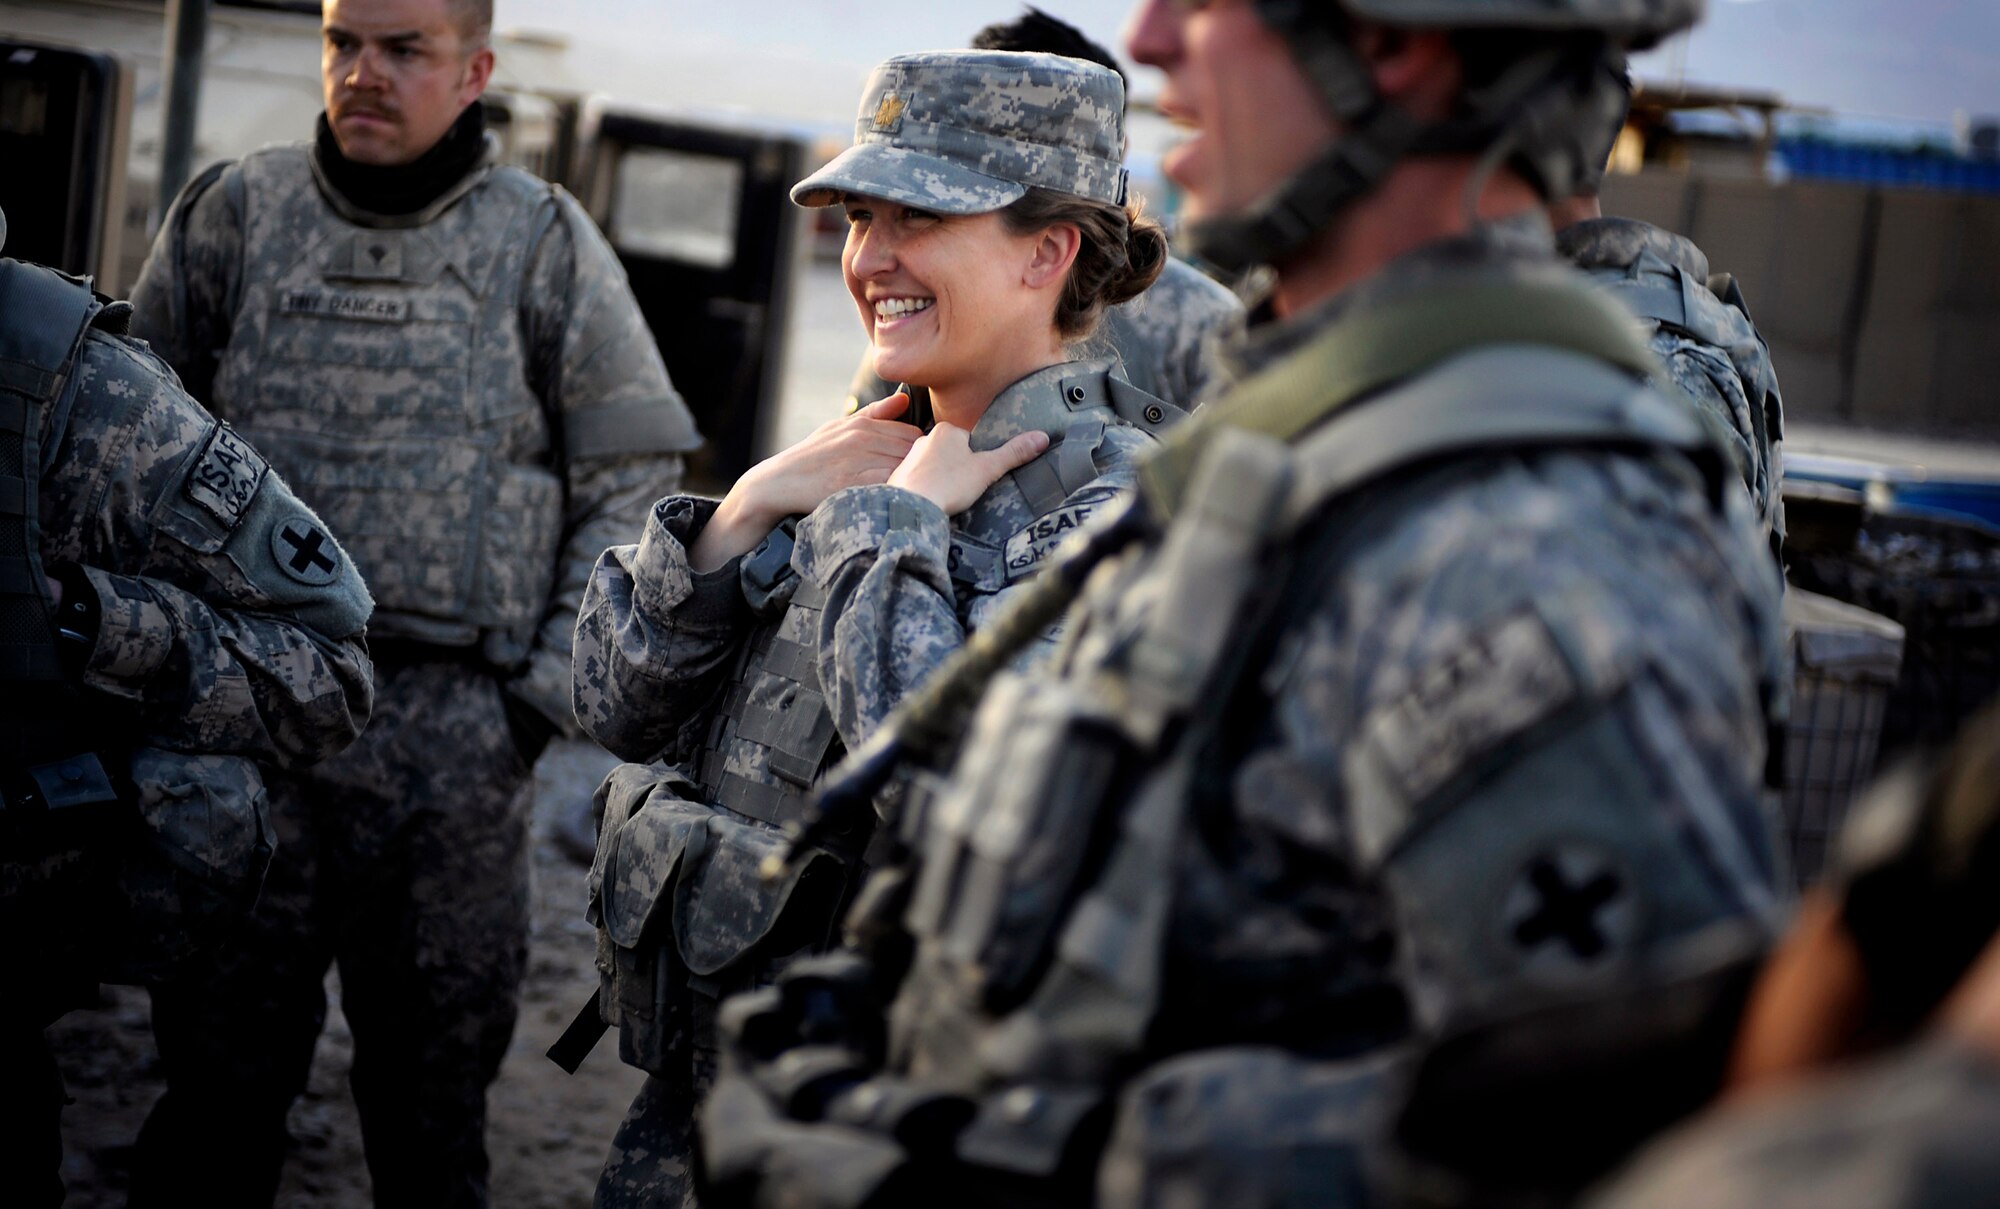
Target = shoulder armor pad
(43,316)
(1495,398)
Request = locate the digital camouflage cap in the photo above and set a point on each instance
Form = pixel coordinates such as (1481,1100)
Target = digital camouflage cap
(967,132)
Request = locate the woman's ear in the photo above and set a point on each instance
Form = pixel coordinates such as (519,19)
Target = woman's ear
(1055,251)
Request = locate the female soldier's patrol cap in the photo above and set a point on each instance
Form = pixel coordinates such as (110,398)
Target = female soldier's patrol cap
(970,131)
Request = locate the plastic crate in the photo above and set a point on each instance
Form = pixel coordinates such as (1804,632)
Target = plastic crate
(1846,662)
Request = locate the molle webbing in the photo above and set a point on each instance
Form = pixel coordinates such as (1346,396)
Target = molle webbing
(1378,347)
(797,740)
(43,317)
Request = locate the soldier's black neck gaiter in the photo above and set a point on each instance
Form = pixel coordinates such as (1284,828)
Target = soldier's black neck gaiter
(404,188)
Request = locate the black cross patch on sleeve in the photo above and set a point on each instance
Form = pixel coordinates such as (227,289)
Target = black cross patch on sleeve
(305,552)
(225,478)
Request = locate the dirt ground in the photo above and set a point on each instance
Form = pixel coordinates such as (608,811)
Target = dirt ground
(547,1131)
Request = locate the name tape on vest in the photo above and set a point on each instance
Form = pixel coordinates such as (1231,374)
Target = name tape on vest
(374,308)
(226,476)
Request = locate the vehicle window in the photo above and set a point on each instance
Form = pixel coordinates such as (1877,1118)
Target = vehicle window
(677,205)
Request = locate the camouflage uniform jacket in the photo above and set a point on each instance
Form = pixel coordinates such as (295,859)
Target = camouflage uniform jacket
(1513,737)
(469,393)
(902,585)
(1709,346)
(205,642)
(1910,1130)
(1167,340)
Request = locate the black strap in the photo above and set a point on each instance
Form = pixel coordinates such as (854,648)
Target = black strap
(756,800)
(580,1037)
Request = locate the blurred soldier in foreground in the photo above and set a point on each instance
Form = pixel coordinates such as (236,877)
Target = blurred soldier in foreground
(157,635)
(1166,337)
(1902,947)
(1699,326)
(1430,673)
(445,356)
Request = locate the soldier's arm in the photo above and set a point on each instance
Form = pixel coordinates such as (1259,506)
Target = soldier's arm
(654,637)
(891,617)
(622,427)
(184,301)
(228,621)
(1554,745)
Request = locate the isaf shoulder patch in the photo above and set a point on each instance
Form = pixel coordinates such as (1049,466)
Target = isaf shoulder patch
(226,476)
(1504,679)
(1039,538)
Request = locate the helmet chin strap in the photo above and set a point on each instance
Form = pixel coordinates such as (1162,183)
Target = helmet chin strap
(1282,222)
(1527,115)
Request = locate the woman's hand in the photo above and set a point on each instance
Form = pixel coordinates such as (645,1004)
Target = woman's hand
(850,451)
(943,469)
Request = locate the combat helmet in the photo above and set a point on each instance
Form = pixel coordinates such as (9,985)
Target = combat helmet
(1547,114)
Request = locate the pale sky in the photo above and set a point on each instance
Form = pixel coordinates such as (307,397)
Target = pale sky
(1916,59)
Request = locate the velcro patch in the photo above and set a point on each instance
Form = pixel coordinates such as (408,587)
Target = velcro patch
(226,476)
(333,304)
(1040,537)
(1501,681)
(303,551)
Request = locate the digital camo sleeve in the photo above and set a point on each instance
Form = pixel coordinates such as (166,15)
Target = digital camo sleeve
(892,614)
(230,620)
(1545,691)
(655,639)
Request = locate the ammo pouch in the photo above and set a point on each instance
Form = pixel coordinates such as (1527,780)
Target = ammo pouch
(207,843)
(1008,842)
(684,915)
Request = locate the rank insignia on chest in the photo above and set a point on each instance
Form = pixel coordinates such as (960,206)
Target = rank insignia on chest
(225,478)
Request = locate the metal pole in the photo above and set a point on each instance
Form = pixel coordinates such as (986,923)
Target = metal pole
(187,40)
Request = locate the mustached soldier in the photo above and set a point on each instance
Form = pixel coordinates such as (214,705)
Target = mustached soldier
(170,613)
(1433,677)
(444,354)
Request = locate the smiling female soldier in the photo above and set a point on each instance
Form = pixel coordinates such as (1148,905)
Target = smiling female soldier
(744,641)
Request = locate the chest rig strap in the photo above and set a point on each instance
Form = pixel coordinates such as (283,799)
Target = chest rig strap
(1097,998)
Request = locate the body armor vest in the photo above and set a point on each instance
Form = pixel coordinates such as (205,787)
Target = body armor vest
(1664,279)
(43,319)
(772,733)
(384,371)
(1041,903)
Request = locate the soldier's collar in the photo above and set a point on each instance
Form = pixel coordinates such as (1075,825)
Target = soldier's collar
(1036,403)
(405,195)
